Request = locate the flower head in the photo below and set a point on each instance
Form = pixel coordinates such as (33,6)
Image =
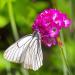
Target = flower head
(49,23)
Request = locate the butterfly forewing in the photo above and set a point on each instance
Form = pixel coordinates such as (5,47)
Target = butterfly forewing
(14,52)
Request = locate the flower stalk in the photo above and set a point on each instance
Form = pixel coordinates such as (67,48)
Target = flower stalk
(12,21)
(66,70)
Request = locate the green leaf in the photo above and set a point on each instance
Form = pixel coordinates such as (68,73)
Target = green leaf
(3,21)
(25,11)
(40,5)
(64,6)
(3,63)
(70,45)
(3,2)
(21,19)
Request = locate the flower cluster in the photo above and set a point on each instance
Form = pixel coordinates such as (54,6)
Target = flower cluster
(49,23)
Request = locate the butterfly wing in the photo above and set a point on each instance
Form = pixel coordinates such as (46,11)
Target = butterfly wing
(14,52)
(26,51)
(34,56)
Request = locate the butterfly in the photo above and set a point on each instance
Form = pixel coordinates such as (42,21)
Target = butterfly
(26,51)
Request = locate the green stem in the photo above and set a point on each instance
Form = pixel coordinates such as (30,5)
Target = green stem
(64,57)
(63,47)
(64,62)
(13,26)
(63,53)
(24,72)
(8,69)
(11,17)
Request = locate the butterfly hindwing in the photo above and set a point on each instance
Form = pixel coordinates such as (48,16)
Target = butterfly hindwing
(34,56)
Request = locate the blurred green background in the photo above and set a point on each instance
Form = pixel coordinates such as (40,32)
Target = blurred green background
(16,19)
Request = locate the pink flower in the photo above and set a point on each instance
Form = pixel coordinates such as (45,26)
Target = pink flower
(49,23)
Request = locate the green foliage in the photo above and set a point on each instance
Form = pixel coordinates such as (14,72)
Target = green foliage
(2,3)
(24,13)
(3,21)
(3,63)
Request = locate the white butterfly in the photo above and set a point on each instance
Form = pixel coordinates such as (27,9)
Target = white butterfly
(26,51)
